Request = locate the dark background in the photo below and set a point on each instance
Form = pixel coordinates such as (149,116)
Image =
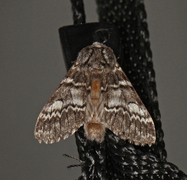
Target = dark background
(32,66)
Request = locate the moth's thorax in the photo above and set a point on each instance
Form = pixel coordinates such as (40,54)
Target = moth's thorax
(97,57)
(95,131)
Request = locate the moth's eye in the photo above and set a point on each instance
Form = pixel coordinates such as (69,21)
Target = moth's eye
(89,65)
(103,62)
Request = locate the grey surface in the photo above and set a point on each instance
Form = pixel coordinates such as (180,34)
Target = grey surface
(32,66)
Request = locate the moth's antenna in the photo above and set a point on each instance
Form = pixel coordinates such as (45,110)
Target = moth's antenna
(74,165)
(72,157)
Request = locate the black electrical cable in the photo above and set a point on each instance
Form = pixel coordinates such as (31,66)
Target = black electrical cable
(115,158)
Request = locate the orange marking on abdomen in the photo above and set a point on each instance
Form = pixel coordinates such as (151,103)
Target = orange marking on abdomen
(95,91)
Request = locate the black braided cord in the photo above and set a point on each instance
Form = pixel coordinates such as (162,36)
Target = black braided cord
(78,11)
(115,159)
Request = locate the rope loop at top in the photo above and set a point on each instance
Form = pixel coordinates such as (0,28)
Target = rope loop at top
(78,12)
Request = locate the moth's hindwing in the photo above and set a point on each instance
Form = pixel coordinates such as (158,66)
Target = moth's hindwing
(64,113)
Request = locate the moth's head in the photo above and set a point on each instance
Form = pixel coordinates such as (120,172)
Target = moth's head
(97,57)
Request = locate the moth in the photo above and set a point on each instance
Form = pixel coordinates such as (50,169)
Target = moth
(96,94)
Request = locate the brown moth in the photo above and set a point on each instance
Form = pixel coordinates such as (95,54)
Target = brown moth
(96,94)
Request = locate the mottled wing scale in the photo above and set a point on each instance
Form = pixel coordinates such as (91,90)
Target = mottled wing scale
(64,113)
(124,112)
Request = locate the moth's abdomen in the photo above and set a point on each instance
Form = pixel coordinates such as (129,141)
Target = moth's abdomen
(95,131)
(95,91)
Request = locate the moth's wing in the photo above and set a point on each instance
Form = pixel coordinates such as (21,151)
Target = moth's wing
(124,112)
(64,113)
